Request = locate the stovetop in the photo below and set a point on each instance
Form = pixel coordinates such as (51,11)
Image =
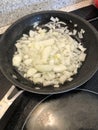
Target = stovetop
(18,111)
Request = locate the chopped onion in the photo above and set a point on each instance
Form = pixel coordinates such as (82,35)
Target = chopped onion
(49,57)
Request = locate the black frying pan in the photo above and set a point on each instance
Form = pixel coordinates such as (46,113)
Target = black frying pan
(75,110)
(7,48)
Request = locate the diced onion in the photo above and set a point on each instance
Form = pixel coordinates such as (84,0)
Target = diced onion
(49,57)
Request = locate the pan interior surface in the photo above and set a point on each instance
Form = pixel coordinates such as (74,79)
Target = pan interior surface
(89,41)
(70,111)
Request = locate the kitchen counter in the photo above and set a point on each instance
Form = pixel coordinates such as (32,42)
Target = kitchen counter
(68,8)
(11,10)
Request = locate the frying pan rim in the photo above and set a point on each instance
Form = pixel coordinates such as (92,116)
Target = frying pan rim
(60,90)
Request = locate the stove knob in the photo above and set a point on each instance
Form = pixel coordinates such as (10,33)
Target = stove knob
(96,3)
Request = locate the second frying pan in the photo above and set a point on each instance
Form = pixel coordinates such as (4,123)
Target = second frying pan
(75,110)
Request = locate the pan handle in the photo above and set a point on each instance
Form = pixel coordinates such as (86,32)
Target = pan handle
(5,103)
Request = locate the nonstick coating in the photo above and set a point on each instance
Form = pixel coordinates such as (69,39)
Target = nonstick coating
(76,110)
(7,48)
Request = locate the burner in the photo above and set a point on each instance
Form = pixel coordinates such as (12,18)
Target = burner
(4,86)
(88,13)
(24,104)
